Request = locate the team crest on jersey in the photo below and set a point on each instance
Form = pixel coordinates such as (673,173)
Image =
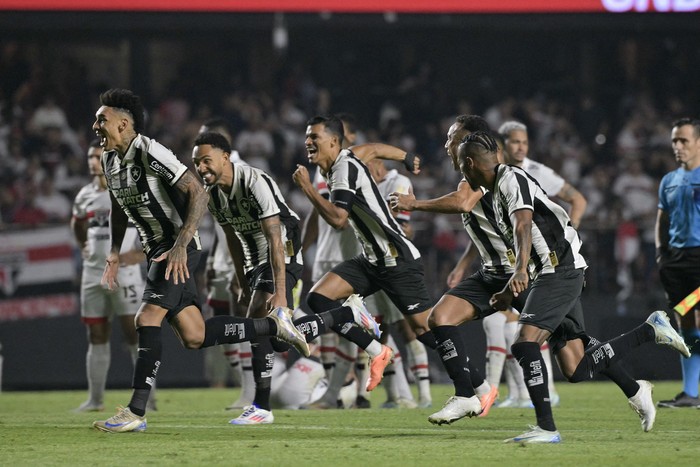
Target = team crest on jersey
(249,205)
(136,173)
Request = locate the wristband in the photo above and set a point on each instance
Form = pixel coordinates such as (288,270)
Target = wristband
(408,161)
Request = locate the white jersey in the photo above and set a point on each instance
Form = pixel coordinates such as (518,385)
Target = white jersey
(395,182)
(93,205)
(353,189)
(555,243)
(255,196)
(143,183)
(548,179)
(332,246)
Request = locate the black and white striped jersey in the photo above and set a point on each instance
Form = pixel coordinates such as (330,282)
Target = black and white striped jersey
(380,235)
(555,243)
(143,182)
(497,253)
(255,196)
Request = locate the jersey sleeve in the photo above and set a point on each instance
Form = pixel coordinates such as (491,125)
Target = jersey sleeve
(517,191)
(262,190)
(164,163)
(80,205)
(343,182)
(663,201)
(403,185)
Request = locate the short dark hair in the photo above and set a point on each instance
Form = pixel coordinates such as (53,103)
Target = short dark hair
(213,139)
(473,123)
(332,123)
(95,143)
(126,101)
(694,122)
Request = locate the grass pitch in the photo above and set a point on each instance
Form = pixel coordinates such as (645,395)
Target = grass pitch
(190,428)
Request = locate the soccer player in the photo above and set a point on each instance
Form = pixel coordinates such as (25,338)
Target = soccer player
(542,234)
(263,237)
(98,306)
(678,248)
(165,201)
(219,274)
(389,261)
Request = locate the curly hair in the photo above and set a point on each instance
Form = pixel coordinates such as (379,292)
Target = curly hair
(126,101)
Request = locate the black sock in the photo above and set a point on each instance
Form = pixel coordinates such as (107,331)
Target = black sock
(314,325)
(452,350)
(229,330)
(606,354)
(353,334)
(529,356)
(617,374)
(263,360)
(428,339)
(150,349)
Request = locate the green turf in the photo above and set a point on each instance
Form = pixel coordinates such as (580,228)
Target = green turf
(190,427)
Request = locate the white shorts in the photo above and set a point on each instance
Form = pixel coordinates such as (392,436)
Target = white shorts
(219,287)
(99,303)
(379,305)
(320,268)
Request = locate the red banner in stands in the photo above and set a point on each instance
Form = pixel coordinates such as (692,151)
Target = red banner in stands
(363,6)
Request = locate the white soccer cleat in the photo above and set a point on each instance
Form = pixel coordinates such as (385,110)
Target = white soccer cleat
(253,415)
(287,332)
(363,318)
(665,334)
(643,404)
(455,408)
(125,420)
(536,435)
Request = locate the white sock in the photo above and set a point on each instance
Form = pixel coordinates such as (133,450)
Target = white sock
(511,366)
(329,342)
(247,381)
(362,370)
(494,328)
(547,357)
(418,361)
(346,353)
(97,362)
(395,384)
(233,355)
(482,389)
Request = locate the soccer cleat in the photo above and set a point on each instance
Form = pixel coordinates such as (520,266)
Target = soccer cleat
(455,408)
(287,332)
(253,415)
(643,404)
(681,400)
(363,318)
(536,435)
(361,402)
(377,365)
(125,420)
(665,334)
(322,404)
(89,406)
(487,401)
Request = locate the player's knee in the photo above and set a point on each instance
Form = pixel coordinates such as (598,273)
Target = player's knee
(191,343)
(319,303)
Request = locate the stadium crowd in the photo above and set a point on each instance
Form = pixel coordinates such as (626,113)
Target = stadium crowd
(615,152)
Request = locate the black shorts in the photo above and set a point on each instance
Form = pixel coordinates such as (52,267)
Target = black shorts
(478,288)
(679,271)
(572,327)
(553,298)
(165,293)
(404,283)
(260,278)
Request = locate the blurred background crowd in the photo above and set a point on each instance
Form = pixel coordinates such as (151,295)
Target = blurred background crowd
(599,112)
